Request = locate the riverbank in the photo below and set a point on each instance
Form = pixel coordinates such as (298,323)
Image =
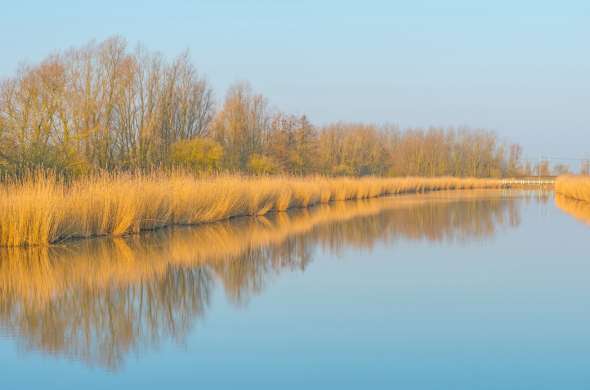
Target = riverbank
(43,210)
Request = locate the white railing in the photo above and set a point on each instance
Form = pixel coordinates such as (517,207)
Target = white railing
(530,181)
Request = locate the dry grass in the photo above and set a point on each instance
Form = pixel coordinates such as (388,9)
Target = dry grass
(576,187)
(42,210)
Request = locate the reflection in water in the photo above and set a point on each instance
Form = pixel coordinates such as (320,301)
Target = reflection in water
(99,300)
(577,208)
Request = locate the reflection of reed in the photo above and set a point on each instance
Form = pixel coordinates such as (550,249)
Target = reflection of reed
(577,208)
(97,300)
(576,187)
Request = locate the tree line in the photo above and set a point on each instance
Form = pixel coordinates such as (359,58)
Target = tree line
(105,107)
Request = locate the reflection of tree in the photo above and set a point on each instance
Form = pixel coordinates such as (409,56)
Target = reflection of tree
(431,221)
(102,326)
(247,273)
(98,300)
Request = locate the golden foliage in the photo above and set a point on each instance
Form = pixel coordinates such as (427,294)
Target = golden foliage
(199,154)
(106,107)
(262,165)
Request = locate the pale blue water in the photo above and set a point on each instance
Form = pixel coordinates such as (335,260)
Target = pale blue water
(494,298)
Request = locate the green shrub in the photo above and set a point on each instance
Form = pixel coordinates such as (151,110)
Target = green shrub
(262,165)
(200,154)
(342,170)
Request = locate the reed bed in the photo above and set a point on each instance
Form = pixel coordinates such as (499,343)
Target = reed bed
(42,209)
(575,187)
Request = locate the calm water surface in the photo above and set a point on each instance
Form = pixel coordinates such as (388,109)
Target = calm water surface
(472,290)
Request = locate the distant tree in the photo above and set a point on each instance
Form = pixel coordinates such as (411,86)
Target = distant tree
(303,154)
(109,107)
(514,167)
(543,168)
(105,107)
(292,143)
(241,125)
(561,169)
(527,169)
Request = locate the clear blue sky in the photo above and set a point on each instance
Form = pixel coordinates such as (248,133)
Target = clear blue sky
(521,68)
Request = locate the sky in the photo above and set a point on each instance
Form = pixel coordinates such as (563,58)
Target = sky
(520,68)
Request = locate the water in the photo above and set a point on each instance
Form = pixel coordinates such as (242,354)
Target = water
(471,290)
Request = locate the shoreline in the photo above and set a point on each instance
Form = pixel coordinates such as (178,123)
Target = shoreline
(43,211)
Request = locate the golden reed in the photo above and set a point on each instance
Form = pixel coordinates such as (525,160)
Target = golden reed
(42,210)
(576,187)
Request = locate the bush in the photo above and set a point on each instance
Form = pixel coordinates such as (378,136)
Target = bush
(262,165)
(201,154)
(342,170)
(62,160)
